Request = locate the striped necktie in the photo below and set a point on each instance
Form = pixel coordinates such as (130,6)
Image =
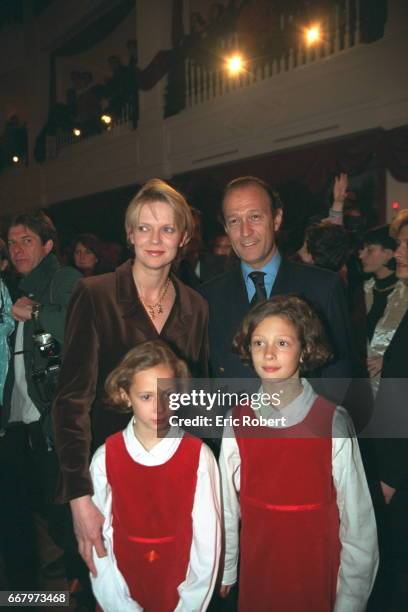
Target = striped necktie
(258,278)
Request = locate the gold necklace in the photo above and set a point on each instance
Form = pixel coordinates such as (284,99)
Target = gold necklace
(154,310)
(384,289)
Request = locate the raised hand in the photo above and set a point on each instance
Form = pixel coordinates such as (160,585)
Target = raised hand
(340,188)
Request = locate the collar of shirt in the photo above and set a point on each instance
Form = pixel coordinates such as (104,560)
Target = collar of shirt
(296,411)
(160,453)
(270,269)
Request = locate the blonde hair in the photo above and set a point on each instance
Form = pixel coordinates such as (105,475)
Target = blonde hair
(144,356)
(157,190)
(399,222)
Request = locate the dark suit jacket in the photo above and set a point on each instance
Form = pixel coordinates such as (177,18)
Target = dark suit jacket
(210,266)
(106,319)
(228,303)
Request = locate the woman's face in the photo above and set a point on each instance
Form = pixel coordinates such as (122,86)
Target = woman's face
(222,245)
(401,254)
(156,237)
(374,258)
(85,259)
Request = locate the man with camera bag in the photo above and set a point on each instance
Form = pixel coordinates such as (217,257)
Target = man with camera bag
(28,464)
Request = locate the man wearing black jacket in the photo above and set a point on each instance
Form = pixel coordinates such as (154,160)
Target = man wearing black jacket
(252,215)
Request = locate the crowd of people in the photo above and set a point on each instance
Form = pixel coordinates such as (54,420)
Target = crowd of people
(87,100)
(281,506)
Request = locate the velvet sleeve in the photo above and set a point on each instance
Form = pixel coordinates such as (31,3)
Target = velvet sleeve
(75,395)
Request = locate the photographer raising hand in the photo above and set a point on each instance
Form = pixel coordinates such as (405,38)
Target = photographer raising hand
(29,465)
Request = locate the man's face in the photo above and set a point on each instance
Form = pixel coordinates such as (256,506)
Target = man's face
(26,249)
(250,224)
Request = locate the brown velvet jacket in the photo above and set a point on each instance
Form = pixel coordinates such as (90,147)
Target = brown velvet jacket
(106,319)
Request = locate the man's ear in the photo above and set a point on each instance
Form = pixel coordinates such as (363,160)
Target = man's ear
(277,219)
(48,246)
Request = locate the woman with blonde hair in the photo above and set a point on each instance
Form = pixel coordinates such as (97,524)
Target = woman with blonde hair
(108,315)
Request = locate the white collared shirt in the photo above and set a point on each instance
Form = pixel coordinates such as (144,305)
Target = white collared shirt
(196,590)
(358,532)
(23,409)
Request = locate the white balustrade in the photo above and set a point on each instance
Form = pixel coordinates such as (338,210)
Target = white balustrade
(340,30)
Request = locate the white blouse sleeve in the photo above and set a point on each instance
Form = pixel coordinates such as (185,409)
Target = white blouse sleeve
(196,590)
(358,531)
(109,586)
(230,464)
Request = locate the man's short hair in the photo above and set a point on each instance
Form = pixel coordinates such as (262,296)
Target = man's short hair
(250,181)
(39,223)
(328,244)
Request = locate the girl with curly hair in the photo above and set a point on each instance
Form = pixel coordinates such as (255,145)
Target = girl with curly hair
(293,477)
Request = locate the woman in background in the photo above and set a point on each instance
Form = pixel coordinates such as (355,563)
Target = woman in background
(386,297)
(87,255)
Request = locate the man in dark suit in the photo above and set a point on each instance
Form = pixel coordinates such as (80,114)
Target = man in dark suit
(252,215)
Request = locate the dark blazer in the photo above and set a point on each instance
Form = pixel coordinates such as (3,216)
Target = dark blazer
(228,304)
(106,319)
(210,266)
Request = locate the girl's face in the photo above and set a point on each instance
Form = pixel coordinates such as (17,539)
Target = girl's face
(156,237)
(275,349)
(84,258)
(401,253)
(149,404)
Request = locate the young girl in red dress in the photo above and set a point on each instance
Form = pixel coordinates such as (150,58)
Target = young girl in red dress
(159,493)
(292,475)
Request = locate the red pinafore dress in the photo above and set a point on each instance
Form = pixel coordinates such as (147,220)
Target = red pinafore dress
(152,520)
(289,541)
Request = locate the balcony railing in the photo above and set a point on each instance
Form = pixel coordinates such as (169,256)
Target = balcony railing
(63,138)
(339,31)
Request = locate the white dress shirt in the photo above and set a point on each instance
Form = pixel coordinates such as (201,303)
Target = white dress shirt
(195,591)
(358,532)
(23,409)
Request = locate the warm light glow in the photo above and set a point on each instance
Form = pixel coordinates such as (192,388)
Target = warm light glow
(107,119)
(395,205)
(76,132)
(16,159)
(235,64)
(313,35)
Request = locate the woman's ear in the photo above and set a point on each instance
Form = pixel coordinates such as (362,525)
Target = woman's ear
(185,239)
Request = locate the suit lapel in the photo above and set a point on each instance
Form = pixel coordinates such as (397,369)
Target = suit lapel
(280,285)
(128,300)
(237,297)
(180,321)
